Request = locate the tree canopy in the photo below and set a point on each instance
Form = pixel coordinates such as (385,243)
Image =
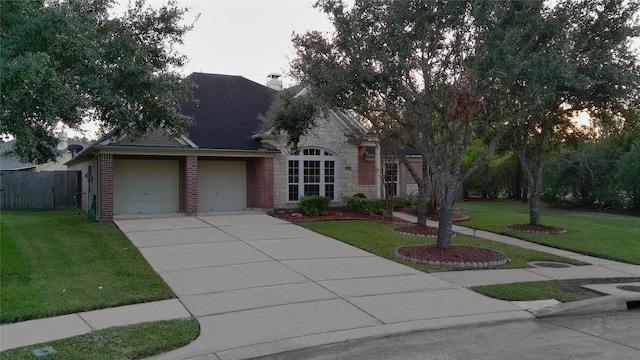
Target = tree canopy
(291,116)
(74,61)
(547,63)
(404,66)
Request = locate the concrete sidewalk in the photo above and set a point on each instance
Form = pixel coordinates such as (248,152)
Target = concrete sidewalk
(60,327)
(259,285)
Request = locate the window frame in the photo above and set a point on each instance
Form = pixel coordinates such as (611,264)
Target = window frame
(396,176)
(311,167)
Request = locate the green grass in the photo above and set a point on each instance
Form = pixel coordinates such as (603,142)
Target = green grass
(563,291)
(608,236)
(52,263)
(378,239)
(129,342)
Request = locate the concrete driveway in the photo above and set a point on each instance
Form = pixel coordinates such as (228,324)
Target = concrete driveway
(259,285)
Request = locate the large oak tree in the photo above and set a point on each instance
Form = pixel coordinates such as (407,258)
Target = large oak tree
(75,61)
(404,66)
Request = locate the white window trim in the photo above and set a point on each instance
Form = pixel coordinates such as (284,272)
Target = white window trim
(397,179)
(300,158)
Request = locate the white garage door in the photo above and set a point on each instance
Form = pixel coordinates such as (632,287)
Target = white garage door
(145,186)
(221,185)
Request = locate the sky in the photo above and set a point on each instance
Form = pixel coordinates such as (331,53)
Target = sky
(251,38)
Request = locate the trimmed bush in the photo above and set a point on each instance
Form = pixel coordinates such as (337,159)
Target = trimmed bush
(360,195)
(364,205)
(403,200)
(314,205)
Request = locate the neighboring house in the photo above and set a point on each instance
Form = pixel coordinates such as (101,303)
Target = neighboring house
(10,162)
(229,160)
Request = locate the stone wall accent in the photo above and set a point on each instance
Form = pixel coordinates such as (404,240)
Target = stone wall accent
(329,136)
(369,190)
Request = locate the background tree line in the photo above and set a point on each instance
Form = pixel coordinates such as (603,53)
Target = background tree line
(589,169)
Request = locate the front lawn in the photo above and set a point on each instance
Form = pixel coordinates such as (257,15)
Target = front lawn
(608,236)
(58,262)
(378,239)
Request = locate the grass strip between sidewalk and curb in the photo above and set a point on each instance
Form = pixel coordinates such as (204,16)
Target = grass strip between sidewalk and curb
(126,342)
(561,290)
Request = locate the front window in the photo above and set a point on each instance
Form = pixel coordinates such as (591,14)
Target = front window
(391,178)
(311,172)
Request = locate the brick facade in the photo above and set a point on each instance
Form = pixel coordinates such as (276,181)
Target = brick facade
(366,168)
(105,197)
(191,186)
(260,183)
(366,174)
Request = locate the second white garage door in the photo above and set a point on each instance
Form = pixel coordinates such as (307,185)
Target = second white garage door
(221,185)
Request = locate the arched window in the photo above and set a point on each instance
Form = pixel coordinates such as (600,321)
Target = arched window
(311,172)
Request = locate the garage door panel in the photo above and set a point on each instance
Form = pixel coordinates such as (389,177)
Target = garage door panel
(145,186)
(221,185)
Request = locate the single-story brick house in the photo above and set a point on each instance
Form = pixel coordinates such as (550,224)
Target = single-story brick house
(229,161)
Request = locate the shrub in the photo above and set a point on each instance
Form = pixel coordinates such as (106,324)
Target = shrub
(360,195)
(314,205)
(364,205)
(401,201)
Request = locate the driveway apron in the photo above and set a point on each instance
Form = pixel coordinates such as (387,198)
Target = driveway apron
(260,285)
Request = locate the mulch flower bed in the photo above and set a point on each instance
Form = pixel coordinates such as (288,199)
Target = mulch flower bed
(458,256)
(428,231)
(433,216)
(456,217)
(339,215)
(536,229)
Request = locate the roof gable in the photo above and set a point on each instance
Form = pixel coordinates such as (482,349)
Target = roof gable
(226,116)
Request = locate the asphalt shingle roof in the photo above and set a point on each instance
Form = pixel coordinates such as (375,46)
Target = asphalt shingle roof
(226,116)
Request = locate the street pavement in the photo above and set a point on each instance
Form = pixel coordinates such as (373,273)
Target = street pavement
(259,285)
(614,335)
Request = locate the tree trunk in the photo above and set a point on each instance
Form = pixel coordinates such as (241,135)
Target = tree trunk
(390,204)
(447,190)
(445,226)
(422,180)
(534,205)
(421,207)
(536,184)
(517,186)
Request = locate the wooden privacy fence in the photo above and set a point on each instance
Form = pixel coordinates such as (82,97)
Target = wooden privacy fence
(45,190)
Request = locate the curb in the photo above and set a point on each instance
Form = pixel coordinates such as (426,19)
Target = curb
(589,306)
